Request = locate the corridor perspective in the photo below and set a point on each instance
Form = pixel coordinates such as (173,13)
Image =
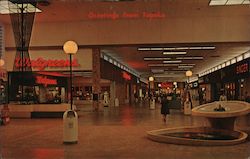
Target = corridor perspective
(124,79)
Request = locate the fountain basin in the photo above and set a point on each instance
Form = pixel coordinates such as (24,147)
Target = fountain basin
(222,119)
(205,136)
(232,109)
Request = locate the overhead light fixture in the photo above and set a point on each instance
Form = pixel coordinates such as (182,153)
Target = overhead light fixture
(157,70)
(7,7)
(190,58)
(156,58)
(156,49)
(169,64)
(175,53)
(143,49)
(185,66)
(162,65)
(228,2)
(174,61)
(176,48)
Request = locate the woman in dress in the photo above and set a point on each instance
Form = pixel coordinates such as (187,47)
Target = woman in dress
(164,108)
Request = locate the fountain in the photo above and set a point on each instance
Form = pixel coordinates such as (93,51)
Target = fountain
(221,116)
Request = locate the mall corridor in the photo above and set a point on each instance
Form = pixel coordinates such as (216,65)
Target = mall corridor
(112,134)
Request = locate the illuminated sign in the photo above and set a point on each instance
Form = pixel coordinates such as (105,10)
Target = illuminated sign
(166,84)
(45,81)
(126,76)
(41,63)
(126,15)
(242,68)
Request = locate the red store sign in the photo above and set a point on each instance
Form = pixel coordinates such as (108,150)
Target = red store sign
(41,63)
(242,68)
(45,81)
(166,84)
(126,76)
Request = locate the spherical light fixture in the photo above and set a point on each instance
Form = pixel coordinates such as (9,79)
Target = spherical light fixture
(189,73)
(1,62)
(70,47)
(151,79)
(159,85)
(175,83)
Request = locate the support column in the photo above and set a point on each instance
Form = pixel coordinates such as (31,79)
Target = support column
(112,94)
(96,77)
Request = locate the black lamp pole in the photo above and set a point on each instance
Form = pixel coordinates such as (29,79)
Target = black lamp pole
(71,82)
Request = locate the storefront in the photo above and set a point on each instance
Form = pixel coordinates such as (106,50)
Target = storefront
(38,87)
(3,86)
(231,80)
(123,84)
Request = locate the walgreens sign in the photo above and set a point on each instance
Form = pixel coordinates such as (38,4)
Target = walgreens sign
(41,63)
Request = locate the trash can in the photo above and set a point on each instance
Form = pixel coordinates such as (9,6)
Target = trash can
(152,103)
(70,127)
(116,102)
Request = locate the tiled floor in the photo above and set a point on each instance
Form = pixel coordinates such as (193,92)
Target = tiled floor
(112,134)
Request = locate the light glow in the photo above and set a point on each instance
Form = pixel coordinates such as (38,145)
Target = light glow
(175,53)
(190,58)
(156,58)
(175,61)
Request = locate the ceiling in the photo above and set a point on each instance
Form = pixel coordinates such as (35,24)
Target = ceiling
(135,59)
(76,10)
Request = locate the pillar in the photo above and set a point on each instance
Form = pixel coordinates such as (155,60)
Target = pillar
(96,77)
(112,94)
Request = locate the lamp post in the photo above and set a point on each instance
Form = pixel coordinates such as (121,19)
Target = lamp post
(70,48)
(189,74)
(151,99)
(70,118)
(150,79)
(188,102)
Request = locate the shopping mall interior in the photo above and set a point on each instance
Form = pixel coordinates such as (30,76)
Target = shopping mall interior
(125,79)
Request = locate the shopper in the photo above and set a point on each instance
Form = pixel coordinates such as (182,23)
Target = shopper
(164,108)
(223,97)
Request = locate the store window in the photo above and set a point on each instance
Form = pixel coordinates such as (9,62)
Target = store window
(230,91)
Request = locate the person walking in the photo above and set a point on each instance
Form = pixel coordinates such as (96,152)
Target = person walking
(164,108)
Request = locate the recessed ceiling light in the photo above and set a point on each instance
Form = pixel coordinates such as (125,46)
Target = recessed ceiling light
(162,65)
(143,49)
(190,58)
(157,70)
(174,61)
(175,48)
(156,58)
(185,66)
(175,53)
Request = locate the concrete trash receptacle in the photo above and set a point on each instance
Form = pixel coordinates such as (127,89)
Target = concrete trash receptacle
(187,108)
(116,102)
(152,104)
(70,127)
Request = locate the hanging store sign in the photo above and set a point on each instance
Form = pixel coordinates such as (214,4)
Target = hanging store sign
(166,84)
(45,81)
(126,15)
(41,63)
(242,68)
(126,76)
